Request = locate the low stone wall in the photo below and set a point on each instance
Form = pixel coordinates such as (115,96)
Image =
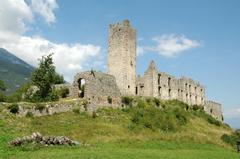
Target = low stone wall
(42,109)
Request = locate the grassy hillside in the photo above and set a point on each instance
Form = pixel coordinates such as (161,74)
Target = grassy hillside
(13,71)
(131,132)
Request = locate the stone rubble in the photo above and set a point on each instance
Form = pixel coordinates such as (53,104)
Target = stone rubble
(36,137)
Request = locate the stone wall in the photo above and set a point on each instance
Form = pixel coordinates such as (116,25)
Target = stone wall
(47,108)
(214,109)
(164,86)
(99,88)
(42,109)
(122,56)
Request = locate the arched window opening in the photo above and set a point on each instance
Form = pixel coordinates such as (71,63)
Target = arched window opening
(81,87)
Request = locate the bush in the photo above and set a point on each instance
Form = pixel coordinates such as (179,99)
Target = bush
(109,100)
(40,106)
(213,121)
(53,96)
(157,102)
(2,97)
(207,117)
(63,92)
(231,139)
(197,108)
(94,114)
(76,110)
(127,100)
(14,108)
(145,115)
(29,115)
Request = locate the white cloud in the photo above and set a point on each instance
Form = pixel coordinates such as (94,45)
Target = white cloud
(232,113)
(16,16)
(13,18)
(170,45)
(68,58)
(45,8)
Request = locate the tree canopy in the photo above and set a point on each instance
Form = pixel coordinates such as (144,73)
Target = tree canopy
(44,77)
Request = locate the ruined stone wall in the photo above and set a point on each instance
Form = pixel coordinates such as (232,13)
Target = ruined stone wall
(100,88)
(214,109)
(191,91)
(67,105)
(122,56)
(164,86)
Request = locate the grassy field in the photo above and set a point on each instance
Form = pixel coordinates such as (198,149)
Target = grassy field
(110,135)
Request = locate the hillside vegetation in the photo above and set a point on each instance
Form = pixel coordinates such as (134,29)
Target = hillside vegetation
(144,128)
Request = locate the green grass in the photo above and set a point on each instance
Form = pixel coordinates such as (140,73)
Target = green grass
(110,135)
(157,149)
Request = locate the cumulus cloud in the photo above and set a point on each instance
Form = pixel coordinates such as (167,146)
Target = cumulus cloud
(17,16)
(68,58)
(170,45)
(13,17)
(45,8)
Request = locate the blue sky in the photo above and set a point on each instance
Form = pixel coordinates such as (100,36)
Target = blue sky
(77,32)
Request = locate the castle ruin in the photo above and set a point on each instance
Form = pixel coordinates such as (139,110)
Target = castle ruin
(122,80)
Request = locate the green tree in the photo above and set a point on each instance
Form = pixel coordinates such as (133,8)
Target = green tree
(44,77)
(58,79)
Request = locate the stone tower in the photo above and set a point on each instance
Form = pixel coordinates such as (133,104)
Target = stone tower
(122,56)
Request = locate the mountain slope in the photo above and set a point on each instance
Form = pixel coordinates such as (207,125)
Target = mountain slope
(13,71)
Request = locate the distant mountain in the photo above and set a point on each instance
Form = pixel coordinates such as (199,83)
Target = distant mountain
(13,71)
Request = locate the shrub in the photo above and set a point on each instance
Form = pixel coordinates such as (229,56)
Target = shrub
(149,100)
(63,92)
(76,110)
(213,121)
(145,115)
(40,106)
(197,107)
(230,139)
(127,100)
(109,100)
(94,114)
(14,108)
(53,96)
(207,117)
(29,115)
(157,102)
(2,97)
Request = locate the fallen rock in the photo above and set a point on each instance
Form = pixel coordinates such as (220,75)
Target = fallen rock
(36,137)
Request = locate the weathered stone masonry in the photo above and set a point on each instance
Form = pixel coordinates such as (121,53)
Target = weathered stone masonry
(122,65)
(122,56)
(214,109)
(164,86)
(102,89)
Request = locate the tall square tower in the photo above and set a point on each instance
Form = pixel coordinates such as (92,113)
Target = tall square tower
(122,56)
